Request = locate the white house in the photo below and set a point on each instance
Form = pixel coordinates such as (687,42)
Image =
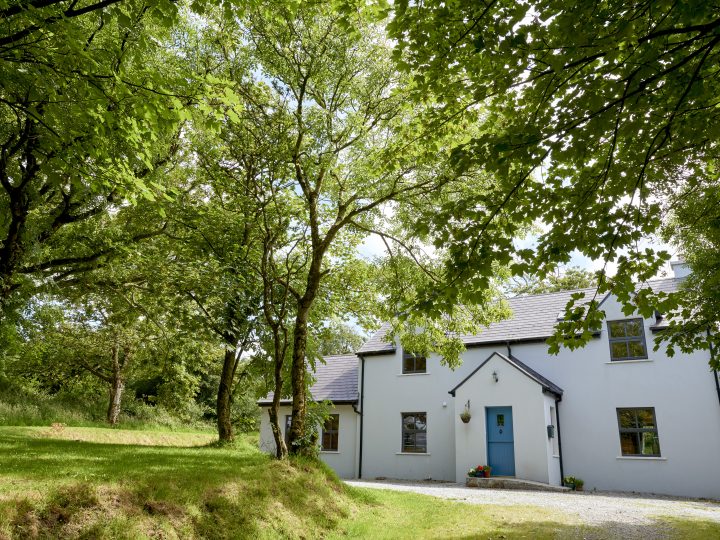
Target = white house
(616,413)
(337,381)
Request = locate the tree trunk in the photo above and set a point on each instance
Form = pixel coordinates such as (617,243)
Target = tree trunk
(224,398)
(116,392)
(117,381)
(281,449)
(298,442)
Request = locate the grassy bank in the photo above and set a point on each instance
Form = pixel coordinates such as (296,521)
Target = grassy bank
(76,482)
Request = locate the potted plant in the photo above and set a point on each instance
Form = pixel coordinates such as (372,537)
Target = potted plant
(576,484)
(481,471)
(465,416)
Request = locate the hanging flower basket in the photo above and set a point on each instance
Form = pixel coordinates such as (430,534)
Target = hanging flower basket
(465,416)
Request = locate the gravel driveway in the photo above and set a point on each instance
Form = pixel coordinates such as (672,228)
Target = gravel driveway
(621,515)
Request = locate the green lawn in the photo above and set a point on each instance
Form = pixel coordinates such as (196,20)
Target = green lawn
(147,484)
(110,483)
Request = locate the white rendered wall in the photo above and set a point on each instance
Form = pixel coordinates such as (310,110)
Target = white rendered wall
(388,393)
(344,461)
(529,409)
(682,391)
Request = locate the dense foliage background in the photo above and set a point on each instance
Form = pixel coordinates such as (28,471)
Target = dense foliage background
(189,188)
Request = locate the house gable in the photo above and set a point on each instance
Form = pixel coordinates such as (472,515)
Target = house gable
(547,385)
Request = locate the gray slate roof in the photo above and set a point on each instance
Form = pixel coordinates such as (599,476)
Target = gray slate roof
(534,318)
(335,380)
(547,384)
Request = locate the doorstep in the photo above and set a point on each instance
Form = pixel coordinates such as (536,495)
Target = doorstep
(500,482)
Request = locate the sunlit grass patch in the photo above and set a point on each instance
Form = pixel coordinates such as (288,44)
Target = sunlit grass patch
(400,515)
(90,482)
(119,436)
(109,483)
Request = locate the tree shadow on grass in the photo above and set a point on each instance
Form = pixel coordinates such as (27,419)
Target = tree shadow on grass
(208,492)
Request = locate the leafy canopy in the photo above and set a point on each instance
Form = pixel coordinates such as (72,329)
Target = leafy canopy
(596,119)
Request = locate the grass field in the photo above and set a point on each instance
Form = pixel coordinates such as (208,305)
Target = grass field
(111,483)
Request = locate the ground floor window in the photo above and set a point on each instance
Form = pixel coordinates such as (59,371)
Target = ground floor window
(288,422)
(414,432)
(638,432)
(330,433)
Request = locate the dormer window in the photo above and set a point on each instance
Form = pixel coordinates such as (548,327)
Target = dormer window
(413,363)
(627,340)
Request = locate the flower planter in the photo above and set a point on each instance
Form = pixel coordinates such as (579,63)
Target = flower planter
(486,474)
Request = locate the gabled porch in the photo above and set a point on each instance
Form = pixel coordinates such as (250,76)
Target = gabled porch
(506,417)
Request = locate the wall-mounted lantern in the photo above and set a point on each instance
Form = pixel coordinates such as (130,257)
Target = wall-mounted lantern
(551,431)
(495,376)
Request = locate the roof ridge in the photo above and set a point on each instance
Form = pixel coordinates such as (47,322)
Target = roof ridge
(583,289)
(328,356)
(566,291)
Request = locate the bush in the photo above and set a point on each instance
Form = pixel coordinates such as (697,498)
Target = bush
(29,406)
(32,407)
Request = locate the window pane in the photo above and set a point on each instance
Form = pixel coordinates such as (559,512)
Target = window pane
(645,418)
(420,365)
(617,329)
(637,348)
(650,443)
(630,444)
(634,327)
(408,441)
(326,441)
(421,442)
(619,350)
(332,423)
(408,364)
(626,417)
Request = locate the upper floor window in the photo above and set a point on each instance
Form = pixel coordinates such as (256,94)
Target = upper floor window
(413,363)
(414,432)
(627,340)
(638,432)
(330,432)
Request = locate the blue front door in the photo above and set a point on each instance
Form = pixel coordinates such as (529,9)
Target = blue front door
(501,448)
